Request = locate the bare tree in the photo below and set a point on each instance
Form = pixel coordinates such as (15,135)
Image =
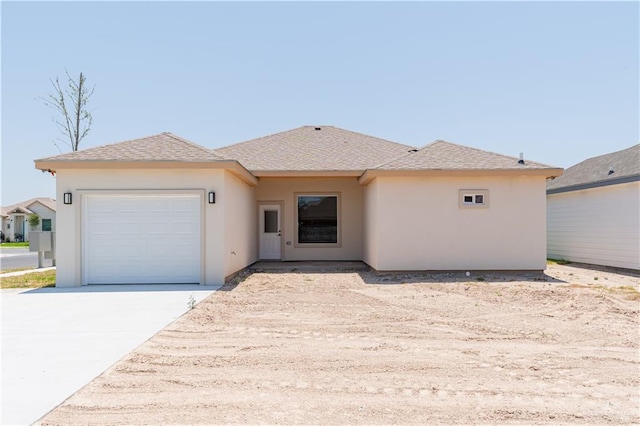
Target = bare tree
(71,103)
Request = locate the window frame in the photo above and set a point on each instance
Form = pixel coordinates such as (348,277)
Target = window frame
(338,243)
(50,225)
(474,193)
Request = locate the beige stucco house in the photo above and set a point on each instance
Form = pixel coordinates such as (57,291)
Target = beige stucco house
(593,211)
(162,209)
(13,218)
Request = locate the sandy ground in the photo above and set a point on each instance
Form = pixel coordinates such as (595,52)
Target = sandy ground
(361,348)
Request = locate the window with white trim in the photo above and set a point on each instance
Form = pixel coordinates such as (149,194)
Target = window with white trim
(474,198)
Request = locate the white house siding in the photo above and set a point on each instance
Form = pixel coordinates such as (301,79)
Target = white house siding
(419,224)
(600,225)
(131,181)
(240,226)
(351,214)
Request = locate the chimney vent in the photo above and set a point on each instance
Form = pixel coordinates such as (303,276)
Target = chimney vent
(521,160)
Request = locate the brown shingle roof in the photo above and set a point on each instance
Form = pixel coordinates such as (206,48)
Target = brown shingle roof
(625,165)
(24,205)
(161,147)
(307,149)
(442,155)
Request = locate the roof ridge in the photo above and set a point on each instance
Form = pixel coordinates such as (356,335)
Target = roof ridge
(484,151)
(192,144)
(259,137)
(605,155)
(105,145)
(369,136)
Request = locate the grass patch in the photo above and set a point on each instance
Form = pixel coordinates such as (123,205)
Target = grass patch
(32,280)
(557,262)
(627,291)
(6,271)
(14,244)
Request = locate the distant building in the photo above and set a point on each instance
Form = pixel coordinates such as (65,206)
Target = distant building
(593,211)
(14,218)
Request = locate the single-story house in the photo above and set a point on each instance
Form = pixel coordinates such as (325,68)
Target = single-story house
(14,224)
(163,209)
(593,211)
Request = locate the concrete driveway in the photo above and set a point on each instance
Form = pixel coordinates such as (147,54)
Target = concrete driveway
(54,341)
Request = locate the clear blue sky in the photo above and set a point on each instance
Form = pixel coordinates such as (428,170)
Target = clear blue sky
(558,81)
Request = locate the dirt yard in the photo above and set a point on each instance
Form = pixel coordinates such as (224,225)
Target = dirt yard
(361,348)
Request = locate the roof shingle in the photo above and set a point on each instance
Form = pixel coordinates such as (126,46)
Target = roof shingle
(442,155)
(45,201)
(624,163)
(314,148)
(161,147)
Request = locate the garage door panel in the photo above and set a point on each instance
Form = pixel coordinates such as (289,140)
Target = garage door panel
(142,239)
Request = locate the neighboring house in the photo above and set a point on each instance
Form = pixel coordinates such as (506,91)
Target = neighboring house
(593,211)
(162,209)
(14,218)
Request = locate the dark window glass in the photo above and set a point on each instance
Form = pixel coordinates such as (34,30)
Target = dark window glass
(479,199)
(317,219)
(270,221)
(46,224)
(468,198)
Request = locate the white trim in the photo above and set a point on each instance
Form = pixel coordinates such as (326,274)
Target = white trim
(81,206)
(479,198)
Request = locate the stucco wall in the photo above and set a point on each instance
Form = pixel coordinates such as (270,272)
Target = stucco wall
(371,235)
(79,182)
(419,224)
(598,225)
(240,226)
(351,211)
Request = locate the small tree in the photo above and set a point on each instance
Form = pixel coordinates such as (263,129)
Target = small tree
(33,220)
(71,103)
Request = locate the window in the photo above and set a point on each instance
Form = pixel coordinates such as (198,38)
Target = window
(46,224)
(270,221)
(317,217)
(474,198)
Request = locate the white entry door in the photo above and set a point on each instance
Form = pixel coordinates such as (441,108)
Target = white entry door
(142,239)
(270,232)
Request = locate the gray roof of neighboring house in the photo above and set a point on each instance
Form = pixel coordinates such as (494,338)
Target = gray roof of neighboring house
(161,147)
(45,201)
(595,171)
(314,148)
(442,155)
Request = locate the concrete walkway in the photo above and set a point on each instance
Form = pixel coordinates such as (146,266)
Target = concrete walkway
(327,266)
(56,340)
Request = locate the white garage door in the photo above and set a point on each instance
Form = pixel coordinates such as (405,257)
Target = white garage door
(141,239)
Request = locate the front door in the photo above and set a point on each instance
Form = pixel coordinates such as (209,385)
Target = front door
(270,232)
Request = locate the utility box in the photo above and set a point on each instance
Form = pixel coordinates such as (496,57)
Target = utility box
(40,241)
(51,254)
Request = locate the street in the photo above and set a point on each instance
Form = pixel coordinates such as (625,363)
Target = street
(19,258)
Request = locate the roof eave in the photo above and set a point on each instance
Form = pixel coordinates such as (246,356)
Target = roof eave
(595,184)
(306,173)
(371,174)
(232,165)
